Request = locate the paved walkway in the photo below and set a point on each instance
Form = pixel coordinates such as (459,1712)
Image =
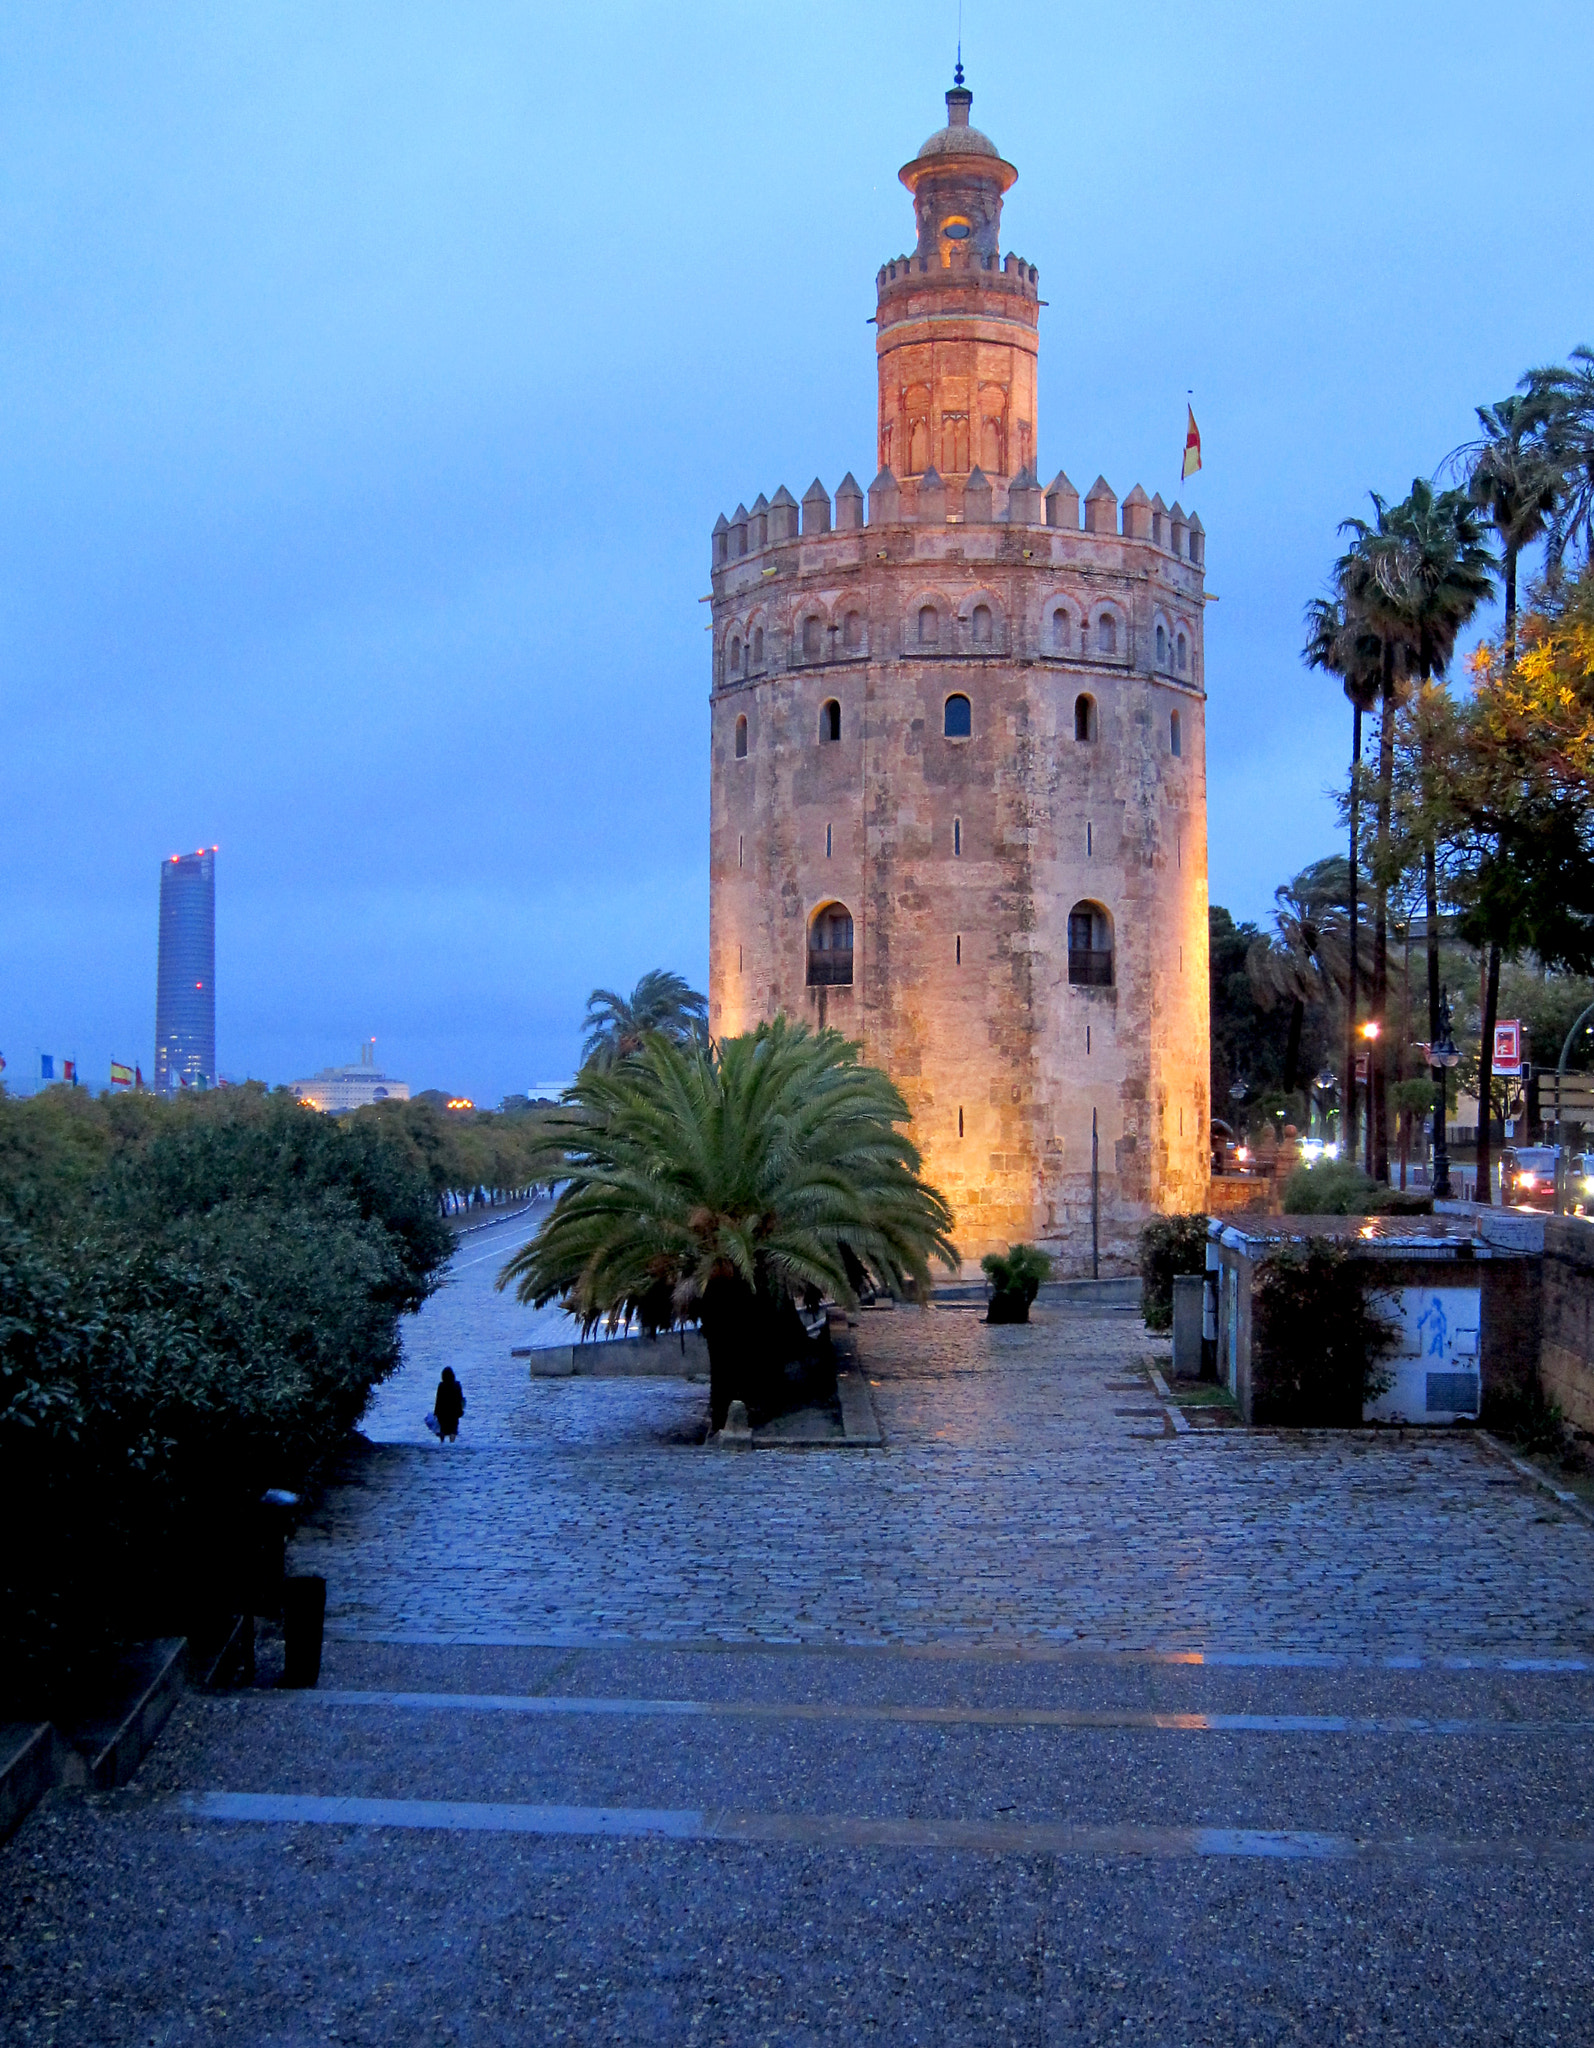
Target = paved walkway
(1042,1724)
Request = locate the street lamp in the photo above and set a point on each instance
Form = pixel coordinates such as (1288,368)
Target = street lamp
(1325,1083)
(1443,1056)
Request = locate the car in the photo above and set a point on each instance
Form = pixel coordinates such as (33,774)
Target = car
(1527,1176)
(1580,1184)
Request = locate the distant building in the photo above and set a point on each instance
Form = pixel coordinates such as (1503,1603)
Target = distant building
(185,975)
(352,1087)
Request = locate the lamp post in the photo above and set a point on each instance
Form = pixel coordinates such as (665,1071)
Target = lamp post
(1325,1084)
(1370,1034)
(1560,1126)
(1444,1056)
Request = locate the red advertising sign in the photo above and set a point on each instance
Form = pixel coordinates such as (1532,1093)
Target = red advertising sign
(1508,1048)
(1361,1066)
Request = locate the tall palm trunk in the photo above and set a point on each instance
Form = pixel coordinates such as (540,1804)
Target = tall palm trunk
(1348,1099)
(1430,883)
(1491,1008)
(1377,1065)
(1510,601)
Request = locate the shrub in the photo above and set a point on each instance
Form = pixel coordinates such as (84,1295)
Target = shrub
(1338,1187)
(1317,1340)
(1015,1276)
(196,1299)
(1169,1245)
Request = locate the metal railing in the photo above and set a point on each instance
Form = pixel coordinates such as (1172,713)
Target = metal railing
(830,969)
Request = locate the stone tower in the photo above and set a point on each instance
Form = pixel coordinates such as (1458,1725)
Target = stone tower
(958,776)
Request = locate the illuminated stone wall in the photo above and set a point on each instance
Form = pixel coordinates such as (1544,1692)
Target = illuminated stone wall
(960,859)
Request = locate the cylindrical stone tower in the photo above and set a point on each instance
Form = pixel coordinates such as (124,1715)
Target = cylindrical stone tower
(958,777)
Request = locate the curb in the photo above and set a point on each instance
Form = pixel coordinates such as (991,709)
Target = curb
(1540,1479)
(103,1751)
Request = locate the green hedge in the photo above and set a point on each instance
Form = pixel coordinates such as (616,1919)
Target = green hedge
(1169,1245)
(1317,1341)
(196,1299)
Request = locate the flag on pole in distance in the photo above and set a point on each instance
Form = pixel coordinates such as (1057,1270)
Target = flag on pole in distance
(46,1066)
(121,1077)
(138,1076)
(1192,444)
(69,1072)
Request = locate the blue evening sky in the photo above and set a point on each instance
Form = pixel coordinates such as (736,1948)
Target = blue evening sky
(371,376)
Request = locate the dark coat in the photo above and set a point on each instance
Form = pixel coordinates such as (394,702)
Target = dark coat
(449,1405)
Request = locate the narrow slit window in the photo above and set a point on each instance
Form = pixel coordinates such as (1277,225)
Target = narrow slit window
(960,1119)
(741,738)
(1087,1038)
(1162,645)
(738,849)
(1089,850)
(957,838)
(1182,654)
(1175,743)
(829,722)
(959,960)
(827,843)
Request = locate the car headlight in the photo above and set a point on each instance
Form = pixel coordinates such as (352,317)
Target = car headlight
(1525,1180)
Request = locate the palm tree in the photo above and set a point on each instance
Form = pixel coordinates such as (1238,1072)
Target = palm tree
(616,1025)
(1306,958)
(1560,399)
(1429,570)
(1510,476)
(718,1184)
(1339,641)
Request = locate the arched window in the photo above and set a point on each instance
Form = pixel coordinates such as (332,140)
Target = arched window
(758,647)
(929,625)
(1182,654)
(1084,718)
(812,642)
(918,447)
(1106,634)
(959,718)
(741,739)
(981,623)
(1174,745)
(1089,946)
(852,631)
(829,721)
(1060,633)
(736,654)
(830,947)
(1162,645)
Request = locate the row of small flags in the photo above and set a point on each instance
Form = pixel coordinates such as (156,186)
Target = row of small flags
(52,1068)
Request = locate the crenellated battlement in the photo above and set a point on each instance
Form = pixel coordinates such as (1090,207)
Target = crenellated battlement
(934,501)
(958,261)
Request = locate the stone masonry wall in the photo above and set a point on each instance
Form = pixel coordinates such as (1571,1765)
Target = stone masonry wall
(960,859)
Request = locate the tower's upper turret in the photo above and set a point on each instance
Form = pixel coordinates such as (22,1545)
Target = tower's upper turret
(957,181)
(956,325)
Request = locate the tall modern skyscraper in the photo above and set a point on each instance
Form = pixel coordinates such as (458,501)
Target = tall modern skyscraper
(185,980)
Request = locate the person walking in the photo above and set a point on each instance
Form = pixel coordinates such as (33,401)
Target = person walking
(449,1405)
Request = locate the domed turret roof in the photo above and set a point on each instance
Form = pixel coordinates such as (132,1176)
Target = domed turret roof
(957,142)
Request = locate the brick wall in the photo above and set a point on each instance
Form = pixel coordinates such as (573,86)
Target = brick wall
(1566,1355)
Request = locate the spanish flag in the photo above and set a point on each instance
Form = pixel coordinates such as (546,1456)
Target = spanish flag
(121,1077)
(1192,445)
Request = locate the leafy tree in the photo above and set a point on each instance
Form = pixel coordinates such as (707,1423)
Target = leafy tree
(616,1025)
(720,1185)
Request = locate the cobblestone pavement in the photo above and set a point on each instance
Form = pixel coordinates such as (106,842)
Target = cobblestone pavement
(1029,1492)
(620,1738)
